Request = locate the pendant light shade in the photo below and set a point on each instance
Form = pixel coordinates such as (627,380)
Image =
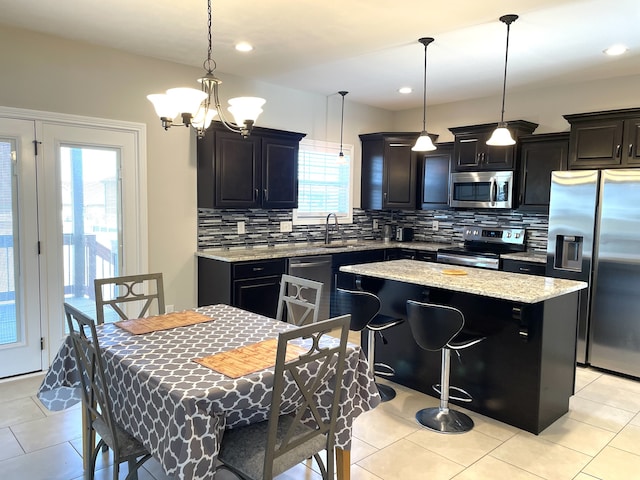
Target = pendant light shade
(501,135)
(424,143)
(342,93)
(197,108)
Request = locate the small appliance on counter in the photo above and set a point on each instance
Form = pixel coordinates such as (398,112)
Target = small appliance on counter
(387,233)
(404,234)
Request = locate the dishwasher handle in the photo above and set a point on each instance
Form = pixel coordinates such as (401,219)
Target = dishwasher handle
(309,264)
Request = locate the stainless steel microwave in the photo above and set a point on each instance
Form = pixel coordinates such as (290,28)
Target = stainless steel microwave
(481,189)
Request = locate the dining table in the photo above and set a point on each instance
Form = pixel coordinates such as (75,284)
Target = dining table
(178,408)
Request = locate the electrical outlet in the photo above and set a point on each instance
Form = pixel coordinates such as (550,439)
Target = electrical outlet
(241,229)
(435,226)
(286,227)
(375,224)
(168,308)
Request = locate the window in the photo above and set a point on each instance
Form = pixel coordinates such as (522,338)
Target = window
(324,182)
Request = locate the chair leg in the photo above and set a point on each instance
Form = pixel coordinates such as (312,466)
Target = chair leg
(443,419)
(386,392)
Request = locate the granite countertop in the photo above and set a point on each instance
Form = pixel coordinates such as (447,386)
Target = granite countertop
(516,287)
(298,250)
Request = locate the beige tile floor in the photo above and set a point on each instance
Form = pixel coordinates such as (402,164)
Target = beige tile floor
(598,438)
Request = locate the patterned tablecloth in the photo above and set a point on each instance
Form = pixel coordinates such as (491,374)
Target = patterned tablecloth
(179,409)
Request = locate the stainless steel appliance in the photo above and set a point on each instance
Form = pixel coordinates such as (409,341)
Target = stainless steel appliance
(481,189)
(318,268)
(594,236)
(483,246)
(404,234)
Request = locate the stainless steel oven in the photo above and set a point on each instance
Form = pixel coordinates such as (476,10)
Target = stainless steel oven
(481,189)
(483,246)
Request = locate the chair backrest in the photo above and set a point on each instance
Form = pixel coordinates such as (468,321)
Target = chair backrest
(299,300)
(88,355)
(326,363)
(433,326)
(362,306)
(139,291)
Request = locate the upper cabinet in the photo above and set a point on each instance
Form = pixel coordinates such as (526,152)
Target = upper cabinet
(389,171)
(539,156)
(434,168)
(260,171)
(471,151)
(604,139)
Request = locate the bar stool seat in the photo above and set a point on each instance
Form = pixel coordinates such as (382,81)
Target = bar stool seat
(364,308)
(439,328)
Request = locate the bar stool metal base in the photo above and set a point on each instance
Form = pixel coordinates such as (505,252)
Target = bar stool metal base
(386,392)
(444,420)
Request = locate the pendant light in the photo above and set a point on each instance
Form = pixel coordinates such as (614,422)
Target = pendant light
(424,143)
(197,108)
(341,154)
(501,135)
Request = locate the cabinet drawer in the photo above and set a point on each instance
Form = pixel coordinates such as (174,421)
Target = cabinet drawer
(261,268)
(426,256)
(520,266)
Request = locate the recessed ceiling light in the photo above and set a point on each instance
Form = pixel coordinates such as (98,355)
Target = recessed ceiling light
(244,47)
(616,50)
(405,90)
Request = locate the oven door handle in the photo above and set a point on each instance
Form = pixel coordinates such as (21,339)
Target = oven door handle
(493,191)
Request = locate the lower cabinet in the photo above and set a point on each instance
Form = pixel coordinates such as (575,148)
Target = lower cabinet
(523,266)
(252,286)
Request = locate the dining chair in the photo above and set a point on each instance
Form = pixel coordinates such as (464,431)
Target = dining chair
(137,291)
(299,300)
(260,451)
(98,415)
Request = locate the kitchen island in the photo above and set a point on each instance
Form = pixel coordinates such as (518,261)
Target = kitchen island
(523,373)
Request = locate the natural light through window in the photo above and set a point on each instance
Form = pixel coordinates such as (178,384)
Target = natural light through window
(324,182)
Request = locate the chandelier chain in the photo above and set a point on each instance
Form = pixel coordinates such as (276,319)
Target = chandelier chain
(209,63)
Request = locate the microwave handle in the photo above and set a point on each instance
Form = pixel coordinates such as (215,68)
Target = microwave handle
(493,191)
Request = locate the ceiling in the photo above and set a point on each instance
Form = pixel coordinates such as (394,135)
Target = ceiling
(367,47)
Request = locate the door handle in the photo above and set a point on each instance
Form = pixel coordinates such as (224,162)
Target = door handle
(630,154)
(618,151)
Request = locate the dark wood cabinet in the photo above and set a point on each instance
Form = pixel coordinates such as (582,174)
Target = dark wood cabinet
(604,139)
(539,156)
(471,152)
(389,171)
(523,266)
(434,169)
(252,286)
(260,171)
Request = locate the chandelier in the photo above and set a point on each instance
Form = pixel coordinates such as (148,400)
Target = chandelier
(197,108)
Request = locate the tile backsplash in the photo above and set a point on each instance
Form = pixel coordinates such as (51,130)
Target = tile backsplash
(218,228)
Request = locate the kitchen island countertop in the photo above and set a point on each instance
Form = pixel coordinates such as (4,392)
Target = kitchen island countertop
(515,287)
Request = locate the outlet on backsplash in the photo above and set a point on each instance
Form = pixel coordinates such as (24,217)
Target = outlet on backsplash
(375,224)
(435,225)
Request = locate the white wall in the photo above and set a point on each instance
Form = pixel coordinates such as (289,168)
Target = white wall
(46,73)
(544,106)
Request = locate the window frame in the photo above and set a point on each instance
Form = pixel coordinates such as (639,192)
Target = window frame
(329,148)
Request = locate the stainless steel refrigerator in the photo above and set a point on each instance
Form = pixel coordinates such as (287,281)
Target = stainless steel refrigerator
(594,236)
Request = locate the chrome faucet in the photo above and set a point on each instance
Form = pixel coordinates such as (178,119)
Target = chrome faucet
(327,238)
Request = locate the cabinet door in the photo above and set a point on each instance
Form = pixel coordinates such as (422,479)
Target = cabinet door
(279,173)
(497,158)
(467,152)
(632,141)
(596,144)
(237,171)
(400,169)
(259,295)
(538,158)
(434,187)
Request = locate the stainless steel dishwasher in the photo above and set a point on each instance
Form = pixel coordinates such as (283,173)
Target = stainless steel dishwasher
(318,268)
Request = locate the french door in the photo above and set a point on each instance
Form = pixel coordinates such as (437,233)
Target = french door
(62,224)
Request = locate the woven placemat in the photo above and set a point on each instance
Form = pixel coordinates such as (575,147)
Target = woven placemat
(139,326)
(248,359)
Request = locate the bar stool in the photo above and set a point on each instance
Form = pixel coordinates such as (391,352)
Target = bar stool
(439,327)
(364,308)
